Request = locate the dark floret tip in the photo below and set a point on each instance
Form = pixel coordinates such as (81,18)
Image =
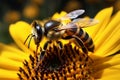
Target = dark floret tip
(58,64)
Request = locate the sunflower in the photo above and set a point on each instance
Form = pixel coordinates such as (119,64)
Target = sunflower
(69,63)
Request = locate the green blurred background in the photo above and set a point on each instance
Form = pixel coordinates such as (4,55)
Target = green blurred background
(28,10)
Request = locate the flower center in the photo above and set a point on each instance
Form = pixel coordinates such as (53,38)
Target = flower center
(58,64)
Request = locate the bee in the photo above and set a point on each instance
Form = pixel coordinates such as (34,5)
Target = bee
(54,30)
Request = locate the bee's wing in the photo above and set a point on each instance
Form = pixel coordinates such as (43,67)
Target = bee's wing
(73,14)
(85,22)
(80,22)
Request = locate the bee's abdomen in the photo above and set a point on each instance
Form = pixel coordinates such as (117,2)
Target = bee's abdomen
(88,42)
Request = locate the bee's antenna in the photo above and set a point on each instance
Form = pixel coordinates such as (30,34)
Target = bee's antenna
(27,38)
(30,40)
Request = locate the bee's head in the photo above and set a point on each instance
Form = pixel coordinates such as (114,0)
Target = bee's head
(37,32)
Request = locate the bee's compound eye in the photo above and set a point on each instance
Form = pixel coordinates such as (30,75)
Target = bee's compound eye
(38,31)
(51,24)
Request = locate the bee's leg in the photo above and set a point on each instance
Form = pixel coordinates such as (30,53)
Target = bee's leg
(42,54)
(36,48)
(43,51)
(60,53)
(60,44)
(79,42)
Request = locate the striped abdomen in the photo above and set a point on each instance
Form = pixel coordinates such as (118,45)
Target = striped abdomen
(88,42)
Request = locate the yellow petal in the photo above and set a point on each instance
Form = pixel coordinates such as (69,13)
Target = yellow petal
(109,38)
(63,13)
(57,15)
(6,63)
(10,48)
(19,33)
(8,75)
(109,29)
(12,53)
(107,62)
(105,21)
(111,73)
(14,56)
(103,17)
(106,65)
(109,46)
